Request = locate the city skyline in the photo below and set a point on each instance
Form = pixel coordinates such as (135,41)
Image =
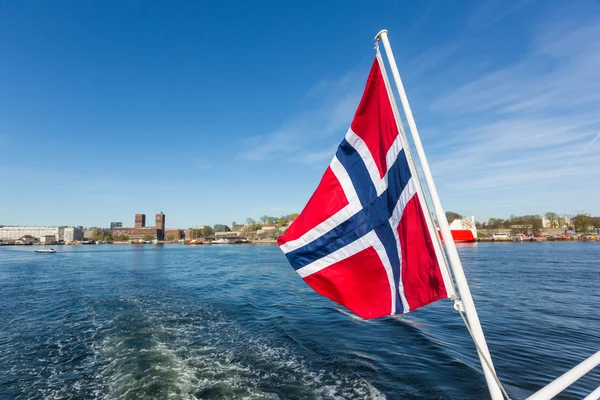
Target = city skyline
(139,221)
(214,117)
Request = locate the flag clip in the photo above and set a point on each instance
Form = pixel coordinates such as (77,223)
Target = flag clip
(458,305)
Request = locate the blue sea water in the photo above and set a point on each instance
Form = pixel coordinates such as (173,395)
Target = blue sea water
(235,321)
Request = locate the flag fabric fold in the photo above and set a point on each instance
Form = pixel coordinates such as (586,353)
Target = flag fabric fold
(362,239)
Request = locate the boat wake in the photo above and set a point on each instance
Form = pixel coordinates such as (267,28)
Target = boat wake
(160,352)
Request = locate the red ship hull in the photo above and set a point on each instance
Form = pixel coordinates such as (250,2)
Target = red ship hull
(461,236)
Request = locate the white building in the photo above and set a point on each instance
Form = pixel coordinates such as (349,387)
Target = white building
(72,234)
(48,239)
(17,232)
(266,228)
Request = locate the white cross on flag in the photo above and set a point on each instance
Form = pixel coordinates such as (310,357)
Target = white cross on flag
(363,240)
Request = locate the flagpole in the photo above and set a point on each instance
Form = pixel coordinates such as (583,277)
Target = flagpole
(437,243)
(451,252)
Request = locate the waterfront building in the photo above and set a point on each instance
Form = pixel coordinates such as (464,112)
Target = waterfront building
(48,239)
(138,233)
(140,230)
(91,233)
(560,222)
(160,222)
(236,227)
(195,233)
(546,223)
(88,233)
(227,234)
(190,233)
(114,225)
(140,220)
(73,234)
(177,234)
(268,227)
(17,232)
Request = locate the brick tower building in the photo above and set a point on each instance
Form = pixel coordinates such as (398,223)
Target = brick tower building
(140,220)
(160,226)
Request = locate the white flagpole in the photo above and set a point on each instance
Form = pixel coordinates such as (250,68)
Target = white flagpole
(444,269)
(455,264)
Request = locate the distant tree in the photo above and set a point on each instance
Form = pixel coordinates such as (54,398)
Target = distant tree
(221,228)
(98,234)
(518,230)
(147,238)
(121,238)
(281,222)
(495,223)
(264,219)
(207,231)
(170,237)
(270,234)
(451,216)
(250,221)
(536,224)
(582,222)
(525,223)
(293,216)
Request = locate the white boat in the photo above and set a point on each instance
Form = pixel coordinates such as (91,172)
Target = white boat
(46,251)
(221,241)
(502,237)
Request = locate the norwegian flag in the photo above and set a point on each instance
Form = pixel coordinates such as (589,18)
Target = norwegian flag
(363,240)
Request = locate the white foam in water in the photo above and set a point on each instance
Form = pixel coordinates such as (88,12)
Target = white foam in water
(132,349)
(206,356)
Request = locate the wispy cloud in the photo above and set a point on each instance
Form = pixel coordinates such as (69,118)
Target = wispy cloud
(312,157)
(491,12)
(517,131)
(307,136)
(501,134)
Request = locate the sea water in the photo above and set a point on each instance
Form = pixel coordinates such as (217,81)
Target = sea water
(236,321)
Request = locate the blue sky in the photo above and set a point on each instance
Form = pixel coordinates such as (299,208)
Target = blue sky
(215,111)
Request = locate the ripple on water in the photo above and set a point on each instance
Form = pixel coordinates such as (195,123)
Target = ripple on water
(203,354)
(146,323)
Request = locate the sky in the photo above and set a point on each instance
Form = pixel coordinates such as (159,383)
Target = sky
(212,112)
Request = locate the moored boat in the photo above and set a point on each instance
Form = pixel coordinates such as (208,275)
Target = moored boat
(193,242)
